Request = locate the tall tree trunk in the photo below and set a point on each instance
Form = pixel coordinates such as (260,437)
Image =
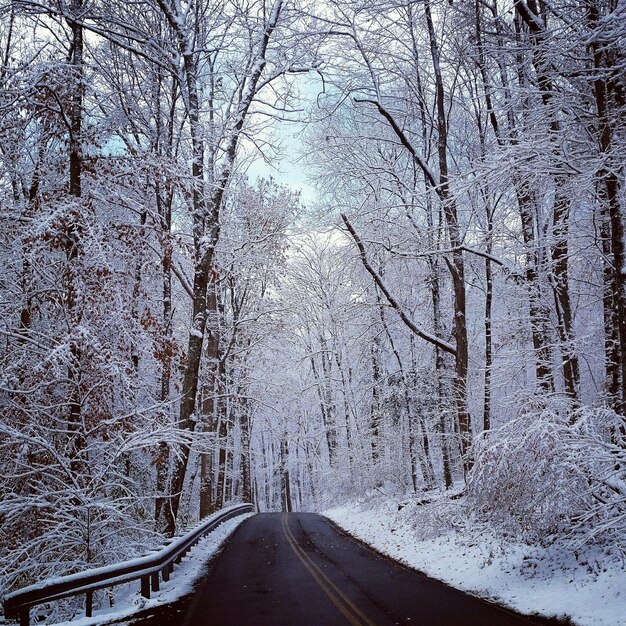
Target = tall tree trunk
(441,188)
(222,457)
(612,228)
(285,478)
(457,264)
(434,279)
(224,411)
(375,401)
(246,473)
(72,246)
(346,406)
(488,325)
(440,373)
(29,211)
(210,401)
(204,250)
(326,409)
(538,312)
(529,13)
(164,195)
(560,260)
(487,88)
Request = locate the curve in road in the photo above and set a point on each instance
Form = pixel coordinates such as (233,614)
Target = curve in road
(298,569)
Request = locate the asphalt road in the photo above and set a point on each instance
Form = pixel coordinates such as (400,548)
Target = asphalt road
(298,569)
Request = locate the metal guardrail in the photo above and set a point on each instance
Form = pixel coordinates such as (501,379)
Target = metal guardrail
(146,569)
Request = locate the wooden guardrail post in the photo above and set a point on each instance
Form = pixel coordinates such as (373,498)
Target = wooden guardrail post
(145,586)
(166,572)
(89,604)
(25,616)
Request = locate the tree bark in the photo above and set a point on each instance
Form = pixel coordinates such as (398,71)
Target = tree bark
(77,443)
(375,402)
(246,473)
(285,478)
(538,313)
(612,229)
(530,14)
(210,402)
(457,264)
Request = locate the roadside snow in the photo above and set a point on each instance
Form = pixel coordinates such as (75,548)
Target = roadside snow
(128,601)
(582,585)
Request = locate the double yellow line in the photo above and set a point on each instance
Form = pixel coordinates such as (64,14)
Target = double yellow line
(354,615)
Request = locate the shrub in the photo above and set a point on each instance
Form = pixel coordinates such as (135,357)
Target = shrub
(542,475)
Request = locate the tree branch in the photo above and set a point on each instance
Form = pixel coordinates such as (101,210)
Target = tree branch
(404,140)
(436,341)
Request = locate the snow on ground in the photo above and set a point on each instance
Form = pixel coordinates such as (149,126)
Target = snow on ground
(128,601)
(582,585)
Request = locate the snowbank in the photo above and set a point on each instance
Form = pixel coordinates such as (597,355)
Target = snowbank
(437,539)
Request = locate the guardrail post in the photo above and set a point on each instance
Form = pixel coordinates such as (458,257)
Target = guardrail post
(155,581)
(25,616)
(145,586)
(166,572)
(89,604)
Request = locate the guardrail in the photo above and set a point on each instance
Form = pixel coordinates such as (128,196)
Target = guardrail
(146,568)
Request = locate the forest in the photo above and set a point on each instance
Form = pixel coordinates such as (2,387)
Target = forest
(298,252)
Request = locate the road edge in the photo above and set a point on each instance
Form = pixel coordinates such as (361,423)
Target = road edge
(534,618)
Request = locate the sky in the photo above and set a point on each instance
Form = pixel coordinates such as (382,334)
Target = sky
(289,167)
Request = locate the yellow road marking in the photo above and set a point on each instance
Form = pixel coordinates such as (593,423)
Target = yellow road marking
(347,608)
(312,569)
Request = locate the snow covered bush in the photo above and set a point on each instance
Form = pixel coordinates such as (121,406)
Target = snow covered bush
(544,475)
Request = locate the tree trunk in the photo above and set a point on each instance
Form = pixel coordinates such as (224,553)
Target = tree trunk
(246,473)
(222,460)
(612,230)
(75,429)
(488,331)
(487,88)
(456,265)
(328,418)
(210,401)
(346,407)
(434,241)
(538,314)
(375,402)
(285,478)
(164,211)
(560,261)
(530,15)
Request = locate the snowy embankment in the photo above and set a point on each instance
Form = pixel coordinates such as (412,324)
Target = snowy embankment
(186,575)
(439,540)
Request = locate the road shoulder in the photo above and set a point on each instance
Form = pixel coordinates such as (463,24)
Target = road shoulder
(487,569)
